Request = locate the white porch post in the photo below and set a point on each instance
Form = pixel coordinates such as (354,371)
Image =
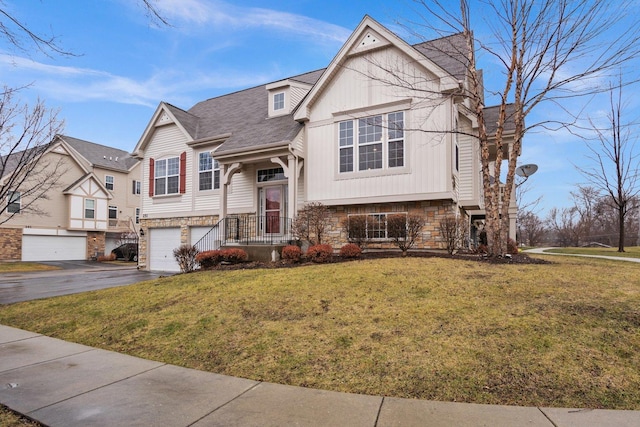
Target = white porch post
(225,180)
(291,172)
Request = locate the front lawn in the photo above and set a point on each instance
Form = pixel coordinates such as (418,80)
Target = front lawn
(629,252)
(22,267)
(564,334)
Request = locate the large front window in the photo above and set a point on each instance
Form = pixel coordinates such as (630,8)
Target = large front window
(167,176)
(377,142)
(374,226)
(208,172)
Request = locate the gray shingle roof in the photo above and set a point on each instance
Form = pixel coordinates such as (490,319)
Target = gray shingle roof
(244,114)
(491,119)
(101,155)
(449,53)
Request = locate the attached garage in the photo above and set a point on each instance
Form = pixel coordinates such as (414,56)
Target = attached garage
(162,242)
(198,232)
(65,247)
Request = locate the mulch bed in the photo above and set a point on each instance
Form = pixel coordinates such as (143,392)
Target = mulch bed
(520,258)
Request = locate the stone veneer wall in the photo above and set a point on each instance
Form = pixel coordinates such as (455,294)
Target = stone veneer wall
(10,244)
(96,241)
(433,211)
(183,222)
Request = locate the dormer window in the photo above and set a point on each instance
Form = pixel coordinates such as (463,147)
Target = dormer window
(278,101)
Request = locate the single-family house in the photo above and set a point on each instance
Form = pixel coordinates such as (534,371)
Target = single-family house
(382,130)
(93,206)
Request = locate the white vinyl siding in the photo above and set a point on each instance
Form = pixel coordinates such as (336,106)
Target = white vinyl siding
(168,141)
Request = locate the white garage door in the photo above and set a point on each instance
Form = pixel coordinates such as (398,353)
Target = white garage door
(53,248)
(198,232)
(162,242)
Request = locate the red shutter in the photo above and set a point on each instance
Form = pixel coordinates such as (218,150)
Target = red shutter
(183,172)
(151,176)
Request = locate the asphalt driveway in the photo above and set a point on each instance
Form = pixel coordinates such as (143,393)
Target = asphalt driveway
(74,277)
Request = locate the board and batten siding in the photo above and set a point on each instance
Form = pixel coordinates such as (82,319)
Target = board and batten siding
(351,93)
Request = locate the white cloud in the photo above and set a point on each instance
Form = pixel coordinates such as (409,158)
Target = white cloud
(72,84)
(227,17)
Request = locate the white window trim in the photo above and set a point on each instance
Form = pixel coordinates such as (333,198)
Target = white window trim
(385,170)
(87,209)
(137,187)
(284,101)
(112,209)
(165,177)
(215,168)
(137,215)
(107,183)
(386,231)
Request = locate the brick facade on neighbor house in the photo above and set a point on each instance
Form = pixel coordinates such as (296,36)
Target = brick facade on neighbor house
(432,211)
(11,244)
(185,223)
(96,242)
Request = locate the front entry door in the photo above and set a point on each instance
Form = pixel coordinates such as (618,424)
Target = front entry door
(272,205)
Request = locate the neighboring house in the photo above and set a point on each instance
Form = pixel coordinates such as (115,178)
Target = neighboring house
(238,167)
(94,205)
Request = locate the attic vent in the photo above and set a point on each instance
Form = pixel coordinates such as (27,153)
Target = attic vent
(164,118)
(369,39)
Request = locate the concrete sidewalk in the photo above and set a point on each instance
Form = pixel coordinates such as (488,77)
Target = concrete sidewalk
(543,251)
(63,384)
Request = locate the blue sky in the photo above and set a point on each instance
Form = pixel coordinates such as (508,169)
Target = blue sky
(125,65)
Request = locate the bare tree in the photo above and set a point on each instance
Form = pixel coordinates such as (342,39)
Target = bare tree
(404,230)
(453,231)
(548,51)
(21,36)
(311,222)
(616,169)
(564,223)
(26,175)
(532,228)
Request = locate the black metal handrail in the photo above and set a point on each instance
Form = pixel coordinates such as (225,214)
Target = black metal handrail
(211,240)
(245,230)
(254,229)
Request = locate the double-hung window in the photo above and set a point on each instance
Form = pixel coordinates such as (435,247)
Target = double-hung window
(167,176)
(13,202)
(278,101)
(108,182)
(89,208)
(208,172)
(113,212)
(135,189)
(376,142)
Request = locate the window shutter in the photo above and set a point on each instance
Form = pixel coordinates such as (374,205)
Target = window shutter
(151,176)
(183,172)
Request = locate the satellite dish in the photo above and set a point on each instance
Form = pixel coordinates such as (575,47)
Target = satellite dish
(526,171)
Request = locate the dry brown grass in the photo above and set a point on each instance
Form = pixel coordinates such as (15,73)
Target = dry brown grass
(563,334)
(21,267)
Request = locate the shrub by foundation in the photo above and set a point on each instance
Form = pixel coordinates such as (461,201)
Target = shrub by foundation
(319,253)
(292,253)
(350,250)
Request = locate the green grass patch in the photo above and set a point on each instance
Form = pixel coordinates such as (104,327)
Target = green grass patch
(21,267)
(564,334)
(630,251)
